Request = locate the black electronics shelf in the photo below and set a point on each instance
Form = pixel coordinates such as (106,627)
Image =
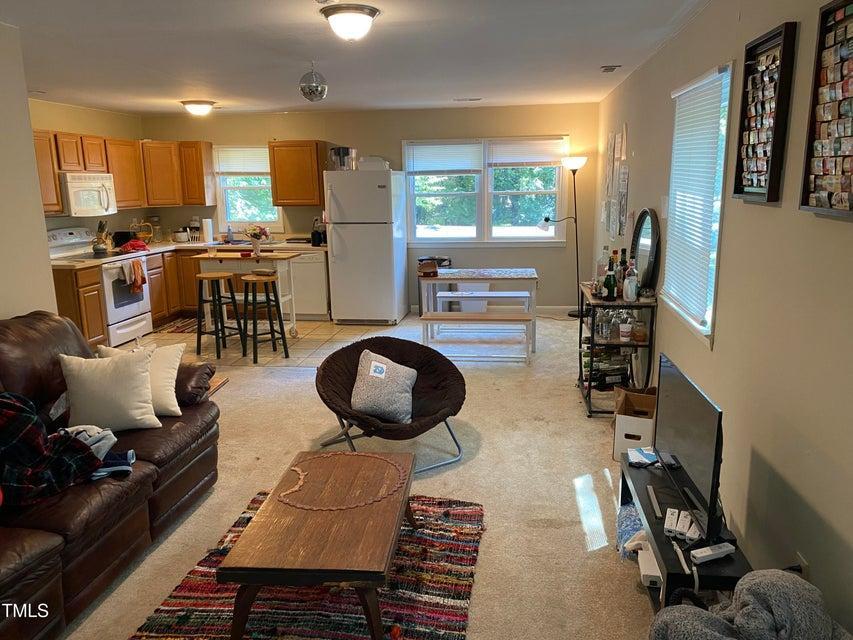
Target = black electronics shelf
(721,574)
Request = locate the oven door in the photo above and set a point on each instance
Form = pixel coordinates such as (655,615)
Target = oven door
(121,301)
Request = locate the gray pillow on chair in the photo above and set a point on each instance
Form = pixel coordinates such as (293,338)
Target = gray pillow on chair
(383,388)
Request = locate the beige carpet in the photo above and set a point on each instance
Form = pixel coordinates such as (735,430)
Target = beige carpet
(547,567)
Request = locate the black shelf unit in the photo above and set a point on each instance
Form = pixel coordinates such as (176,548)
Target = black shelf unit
(594,306)
(722,574)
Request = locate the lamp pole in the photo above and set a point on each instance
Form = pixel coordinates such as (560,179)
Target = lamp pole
(573,164)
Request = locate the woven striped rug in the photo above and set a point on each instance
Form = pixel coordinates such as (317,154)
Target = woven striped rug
(180,325)
(426,598)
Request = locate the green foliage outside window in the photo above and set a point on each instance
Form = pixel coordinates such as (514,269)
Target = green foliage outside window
(248,199)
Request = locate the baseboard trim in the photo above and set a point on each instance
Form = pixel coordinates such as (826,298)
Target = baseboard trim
(554,310)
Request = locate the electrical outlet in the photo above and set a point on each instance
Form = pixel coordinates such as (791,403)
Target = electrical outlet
(804,565)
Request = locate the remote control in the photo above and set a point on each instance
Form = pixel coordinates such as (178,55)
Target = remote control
(671,521)
(683,525)
(654,500)
(706,554)
(693,534)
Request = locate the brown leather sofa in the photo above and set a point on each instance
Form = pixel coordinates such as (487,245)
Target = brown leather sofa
(65,550)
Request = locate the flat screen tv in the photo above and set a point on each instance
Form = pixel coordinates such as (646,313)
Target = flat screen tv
(689,445)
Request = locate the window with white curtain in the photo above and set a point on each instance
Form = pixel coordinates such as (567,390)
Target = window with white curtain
(695,197)
(484,190)
(245,188)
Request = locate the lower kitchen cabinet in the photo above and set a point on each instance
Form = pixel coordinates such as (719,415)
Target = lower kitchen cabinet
(80,297)
(188,267)
(172,282)
(157,292)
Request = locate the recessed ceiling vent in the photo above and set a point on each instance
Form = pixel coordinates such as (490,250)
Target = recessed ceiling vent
(610,68)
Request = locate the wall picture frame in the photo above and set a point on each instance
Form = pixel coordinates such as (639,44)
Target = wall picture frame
(768,73)
(827,188)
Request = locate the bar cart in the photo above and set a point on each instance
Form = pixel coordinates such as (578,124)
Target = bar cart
(596,306)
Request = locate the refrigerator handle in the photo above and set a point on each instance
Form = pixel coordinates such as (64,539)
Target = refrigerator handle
(331,232)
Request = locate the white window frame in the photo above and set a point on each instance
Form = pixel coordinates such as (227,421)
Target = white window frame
(485,180)
(276,226)
(702,331)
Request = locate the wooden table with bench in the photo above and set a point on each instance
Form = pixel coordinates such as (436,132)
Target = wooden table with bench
(333,519)
(523,281)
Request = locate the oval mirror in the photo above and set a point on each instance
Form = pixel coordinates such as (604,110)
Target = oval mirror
(645,247)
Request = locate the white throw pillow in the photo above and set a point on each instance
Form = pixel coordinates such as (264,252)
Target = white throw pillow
(111,393)
(164,370)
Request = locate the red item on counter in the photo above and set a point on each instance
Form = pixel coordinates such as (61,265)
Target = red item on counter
(132,246)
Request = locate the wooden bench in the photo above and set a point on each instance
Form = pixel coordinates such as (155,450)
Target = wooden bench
(525,318)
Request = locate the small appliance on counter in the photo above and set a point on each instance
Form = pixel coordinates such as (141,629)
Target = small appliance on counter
(343,158)
(318,233)
(123,237)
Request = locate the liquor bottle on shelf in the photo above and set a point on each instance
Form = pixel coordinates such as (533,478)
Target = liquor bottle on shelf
(629,286)
(610,284)
(620,273)
(601,269)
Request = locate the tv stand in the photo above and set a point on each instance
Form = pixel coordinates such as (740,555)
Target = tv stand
(721,574)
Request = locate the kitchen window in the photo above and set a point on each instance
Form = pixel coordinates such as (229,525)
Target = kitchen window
(484,191)
(695,198)
(245,188)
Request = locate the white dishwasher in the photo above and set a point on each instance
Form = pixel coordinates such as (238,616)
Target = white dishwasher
(311,285)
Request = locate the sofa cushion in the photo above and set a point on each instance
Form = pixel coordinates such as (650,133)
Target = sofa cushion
(23,552)
(193,382)
(179,437)
(29,346)
(83,512)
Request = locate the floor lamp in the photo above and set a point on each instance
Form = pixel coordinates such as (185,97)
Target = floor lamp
(573,164)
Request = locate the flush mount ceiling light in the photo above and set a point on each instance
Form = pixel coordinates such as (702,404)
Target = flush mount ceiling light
(198,107)
(350,21)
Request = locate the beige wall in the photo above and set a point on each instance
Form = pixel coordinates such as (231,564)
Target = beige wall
(382,132)
(26,283)
(781,363)
(95,122)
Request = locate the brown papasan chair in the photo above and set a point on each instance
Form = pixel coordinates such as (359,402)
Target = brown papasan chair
(439,392)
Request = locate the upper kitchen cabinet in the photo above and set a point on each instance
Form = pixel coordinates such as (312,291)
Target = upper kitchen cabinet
(297,167)
(162,173)
(69,152)
(46,164)
(94,153)
(198,182)
(125,163)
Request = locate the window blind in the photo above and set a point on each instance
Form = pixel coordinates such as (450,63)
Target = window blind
(449,158)
(695,196)
(243,160)
(520,153)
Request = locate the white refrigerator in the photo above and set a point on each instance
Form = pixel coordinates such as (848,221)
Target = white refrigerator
(366,212)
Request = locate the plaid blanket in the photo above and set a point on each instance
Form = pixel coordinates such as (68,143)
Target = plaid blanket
(33,464)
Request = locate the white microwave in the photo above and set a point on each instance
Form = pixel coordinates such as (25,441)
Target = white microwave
(88,194)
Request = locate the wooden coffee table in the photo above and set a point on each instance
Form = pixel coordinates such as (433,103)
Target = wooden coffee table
(333,519)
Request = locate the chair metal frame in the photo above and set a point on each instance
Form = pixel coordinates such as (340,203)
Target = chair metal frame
(346,436)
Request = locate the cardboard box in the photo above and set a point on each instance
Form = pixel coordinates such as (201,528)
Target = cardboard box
(633,420)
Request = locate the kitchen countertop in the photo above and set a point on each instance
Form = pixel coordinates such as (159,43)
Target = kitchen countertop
(70,262)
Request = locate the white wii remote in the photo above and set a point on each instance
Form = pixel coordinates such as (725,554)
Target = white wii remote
(693,534)
(706,554)
(683,526)
(671,521)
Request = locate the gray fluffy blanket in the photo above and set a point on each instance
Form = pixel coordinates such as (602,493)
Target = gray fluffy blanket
(766,605)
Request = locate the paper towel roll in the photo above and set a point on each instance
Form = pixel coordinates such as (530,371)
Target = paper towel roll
(207,230)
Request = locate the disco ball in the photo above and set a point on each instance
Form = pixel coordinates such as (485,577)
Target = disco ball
(313,86)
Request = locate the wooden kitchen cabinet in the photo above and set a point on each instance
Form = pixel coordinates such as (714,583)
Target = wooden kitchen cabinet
(69,150)
(94,154)
(80,297)
(296,167)
(46,164)
(188,267)
(173,283)
(157,292)
(198,182)
(162,164)
(124,160)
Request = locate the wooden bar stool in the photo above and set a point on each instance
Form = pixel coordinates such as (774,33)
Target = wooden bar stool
(220,329)
(270,295)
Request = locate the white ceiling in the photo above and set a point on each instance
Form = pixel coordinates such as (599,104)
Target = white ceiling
(248,55)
